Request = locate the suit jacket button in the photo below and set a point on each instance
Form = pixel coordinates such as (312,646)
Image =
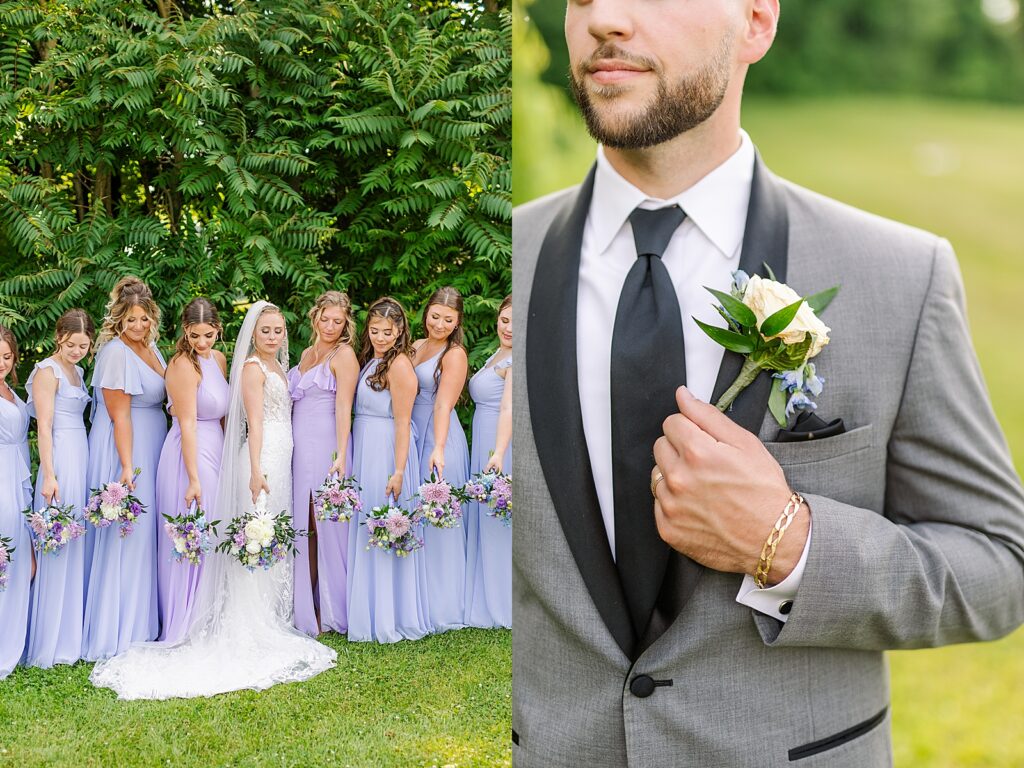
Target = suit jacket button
(642,686)
(785,607)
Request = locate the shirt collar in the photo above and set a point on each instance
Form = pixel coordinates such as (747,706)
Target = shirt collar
(717,204)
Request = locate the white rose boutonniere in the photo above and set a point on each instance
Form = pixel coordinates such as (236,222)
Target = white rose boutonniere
(777,331)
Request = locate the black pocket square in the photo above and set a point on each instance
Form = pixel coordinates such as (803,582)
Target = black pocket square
(810,426)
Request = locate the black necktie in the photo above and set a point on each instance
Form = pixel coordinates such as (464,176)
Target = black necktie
(647,366)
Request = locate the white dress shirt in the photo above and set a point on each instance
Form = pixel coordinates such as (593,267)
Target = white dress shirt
(704,251)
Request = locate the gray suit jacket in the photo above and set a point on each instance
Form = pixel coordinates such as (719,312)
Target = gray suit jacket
(918,516)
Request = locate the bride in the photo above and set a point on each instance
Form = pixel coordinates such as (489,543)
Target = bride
(241,635)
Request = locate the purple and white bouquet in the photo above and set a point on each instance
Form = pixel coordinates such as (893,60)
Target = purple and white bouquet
(439,504)
(259,539)
(393,529)
(337,499)
(493,489)
(499,503)
(53,528)
(5,561)
(192,534)
(114,503)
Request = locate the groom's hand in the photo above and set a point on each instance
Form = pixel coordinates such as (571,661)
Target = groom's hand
(722,493)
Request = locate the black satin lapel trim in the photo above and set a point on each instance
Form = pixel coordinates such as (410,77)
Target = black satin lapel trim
(553,395)
(765,240)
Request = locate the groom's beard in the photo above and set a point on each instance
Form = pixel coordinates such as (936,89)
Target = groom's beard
(675,108)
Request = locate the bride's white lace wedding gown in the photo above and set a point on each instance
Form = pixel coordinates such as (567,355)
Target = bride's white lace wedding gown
(241,634)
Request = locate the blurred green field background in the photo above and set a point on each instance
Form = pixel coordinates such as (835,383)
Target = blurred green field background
(954,168)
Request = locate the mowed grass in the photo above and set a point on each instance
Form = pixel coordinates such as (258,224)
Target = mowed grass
(441,701)
(949,167)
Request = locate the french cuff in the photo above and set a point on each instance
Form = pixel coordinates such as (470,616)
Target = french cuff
(776,601)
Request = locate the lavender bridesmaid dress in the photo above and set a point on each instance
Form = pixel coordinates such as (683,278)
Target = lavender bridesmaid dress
(387,599)
(15,496)
(316,439)
(176,582)
(58,592)
(444,549)
(489,547)
(121,597)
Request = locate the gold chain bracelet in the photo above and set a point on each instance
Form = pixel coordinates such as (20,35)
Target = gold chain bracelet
(774,537)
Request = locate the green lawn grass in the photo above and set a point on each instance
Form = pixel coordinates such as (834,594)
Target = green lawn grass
(950,167)
(441,701)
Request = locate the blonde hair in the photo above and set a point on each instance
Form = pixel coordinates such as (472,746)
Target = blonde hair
(332,299)
(7,335)
(130,292)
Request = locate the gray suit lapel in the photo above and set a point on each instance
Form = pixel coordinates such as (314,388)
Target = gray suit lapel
(556,418)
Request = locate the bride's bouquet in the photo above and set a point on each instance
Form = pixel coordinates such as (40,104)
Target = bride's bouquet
(493,489)
(192,534)
(439,504)
(53,528)
(258,539)
(393,529)
(337,499)
(113,503)
(5,561)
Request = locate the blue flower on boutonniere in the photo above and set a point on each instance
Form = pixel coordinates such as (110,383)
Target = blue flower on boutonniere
(776,330)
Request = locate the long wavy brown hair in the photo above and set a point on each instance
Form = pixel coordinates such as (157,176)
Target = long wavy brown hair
(71,322)
(198,311)
(8,336)
(128,293)
(388,309)
(451,298)
(332,299)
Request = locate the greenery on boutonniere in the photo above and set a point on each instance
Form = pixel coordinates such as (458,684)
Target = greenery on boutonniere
(775,330)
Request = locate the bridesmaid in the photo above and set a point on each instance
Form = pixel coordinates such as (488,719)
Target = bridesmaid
(323,386)
(57,398)
(15,496)
(189,467)
(441,370)
(489,549)
(386,594)
(128,430)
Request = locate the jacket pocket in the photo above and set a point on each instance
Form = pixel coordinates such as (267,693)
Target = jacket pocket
(837,739)
(810,451)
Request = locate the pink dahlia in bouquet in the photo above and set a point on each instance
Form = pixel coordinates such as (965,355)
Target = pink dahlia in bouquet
(6,550)
(259,539)
(192,534)
(439,504)
(114,503)
(53,528)
(337,499)
(499,504)
(393,529)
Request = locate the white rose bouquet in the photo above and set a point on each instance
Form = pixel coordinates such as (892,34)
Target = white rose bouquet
(259,539)
(777,331)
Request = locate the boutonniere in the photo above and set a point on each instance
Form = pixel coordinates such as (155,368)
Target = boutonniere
(776,330)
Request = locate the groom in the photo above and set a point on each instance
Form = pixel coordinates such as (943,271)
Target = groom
(641,637)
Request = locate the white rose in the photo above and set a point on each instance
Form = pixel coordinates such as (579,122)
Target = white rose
(766,297)
(259,527)
(179,546)
(253,547)
(110,511)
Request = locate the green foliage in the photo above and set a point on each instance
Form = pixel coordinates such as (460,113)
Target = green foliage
(267,149)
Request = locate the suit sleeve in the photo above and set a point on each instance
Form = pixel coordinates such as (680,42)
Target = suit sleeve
(945,562)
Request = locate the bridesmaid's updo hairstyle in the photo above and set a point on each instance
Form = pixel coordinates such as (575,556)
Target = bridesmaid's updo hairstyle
(386,308)
(199,311)
(451,298)
(6,335)
(129,292)
(71,322)
(332,299)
